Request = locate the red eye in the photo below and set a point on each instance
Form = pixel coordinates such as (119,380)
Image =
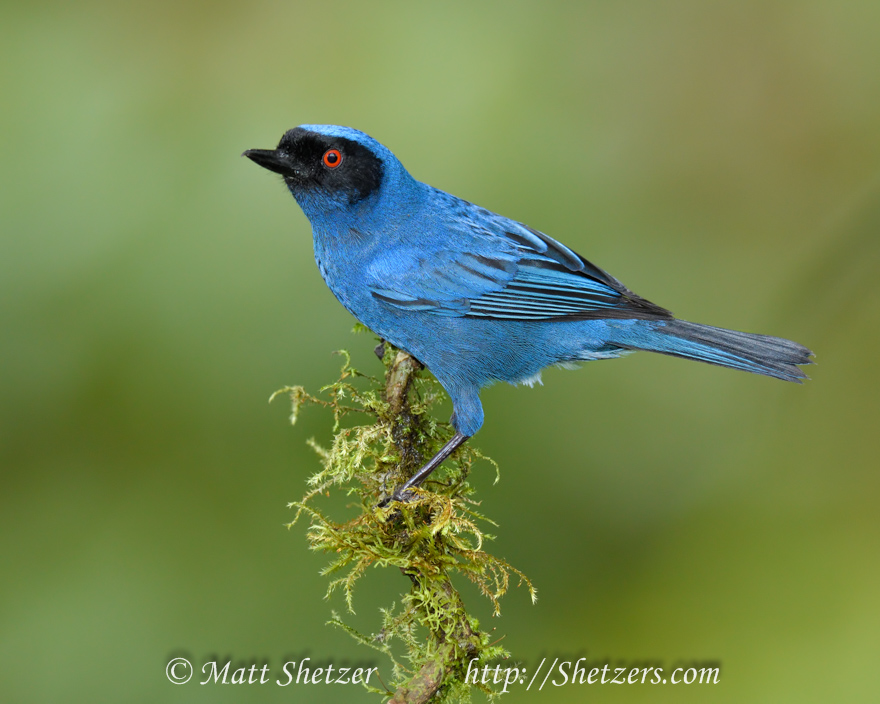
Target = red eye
(332,158)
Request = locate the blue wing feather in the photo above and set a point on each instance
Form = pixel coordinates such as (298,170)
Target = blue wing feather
(493,267)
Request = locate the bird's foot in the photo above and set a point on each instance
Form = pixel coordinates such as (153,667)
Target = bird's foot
(404,492)
(400,495)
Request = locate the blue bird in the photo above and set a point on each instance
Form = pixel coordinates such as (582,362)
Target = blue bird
(473,295)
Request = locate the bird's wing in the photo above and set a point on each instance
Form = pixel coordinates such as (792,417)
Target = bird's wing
(496,268)
(444,282)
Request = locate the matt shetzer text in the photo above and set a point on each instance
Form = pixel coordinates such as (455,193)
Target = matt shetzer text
(291,674)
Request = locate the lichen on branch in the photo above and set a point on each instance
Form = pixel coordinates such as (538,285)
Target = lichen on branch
(433,536)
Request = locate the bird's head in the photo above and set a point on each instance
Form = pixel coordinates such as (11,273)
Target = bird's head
(328,168)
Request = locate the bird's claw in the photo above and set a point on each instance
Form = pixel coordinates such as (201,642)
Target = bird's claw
(403,497)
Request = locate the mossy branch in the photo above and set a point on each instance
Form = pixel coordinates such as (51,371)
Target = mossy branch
(434,535)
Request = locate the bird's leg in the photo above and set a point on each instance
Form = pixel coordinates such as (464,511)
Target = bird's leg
(402,492)
(379,350)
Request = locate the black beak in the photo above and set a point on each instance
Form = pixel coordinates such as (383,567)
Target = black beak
(272,159)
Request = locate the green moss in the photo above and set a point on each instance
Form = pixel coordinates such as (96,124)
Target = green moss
(436,534)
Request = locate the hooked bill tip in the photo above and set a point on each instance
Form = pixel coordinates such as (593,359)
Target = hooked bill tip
(254,153)
(270,159)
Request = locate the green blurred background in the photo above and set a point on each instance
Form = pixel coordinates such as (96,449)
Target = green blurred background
(720,158)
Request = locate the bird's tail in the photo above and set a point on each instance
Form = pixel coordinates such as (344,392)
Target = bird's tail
(759,354)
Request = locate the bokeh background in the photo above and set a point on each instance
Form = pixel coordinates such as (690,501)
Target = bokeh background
(722,159)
